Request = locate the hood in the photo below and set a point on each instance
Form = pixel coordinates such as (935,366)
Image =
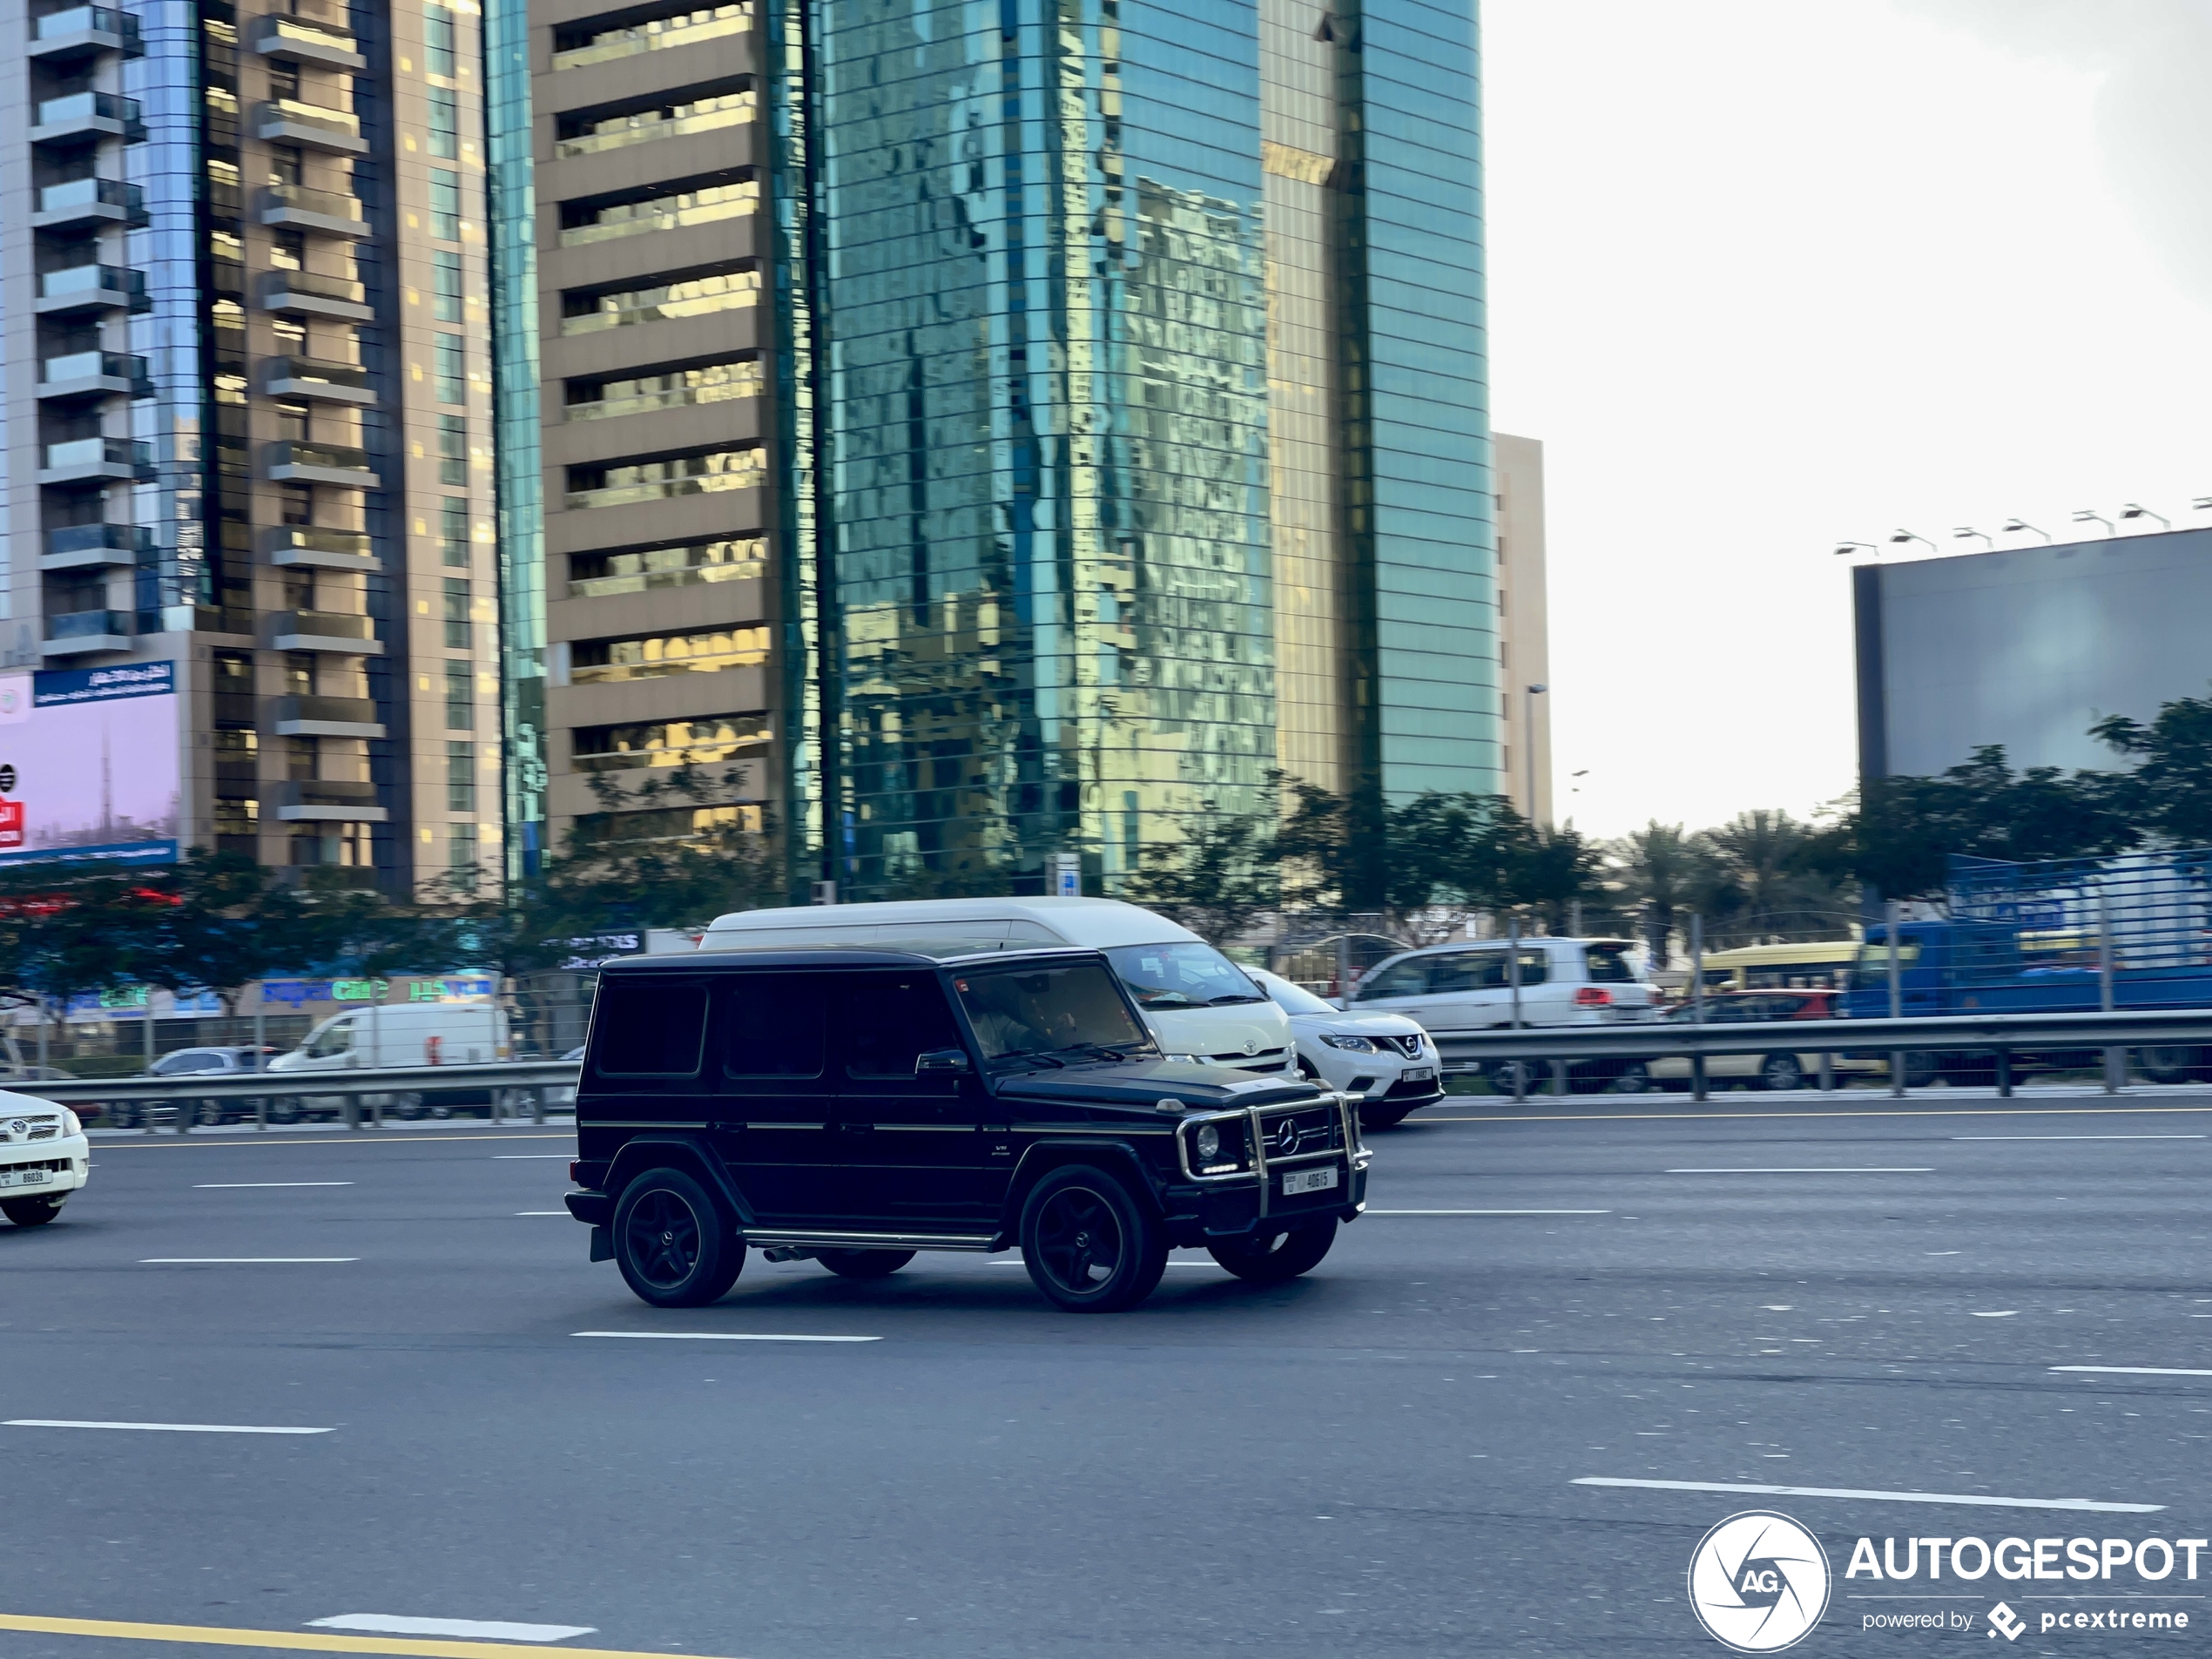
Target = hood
(288,1061)
(1363,1025)
(1221,1030)
(1141,1084)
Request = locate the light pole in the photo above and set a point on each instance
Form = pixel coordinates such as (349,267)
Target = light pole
(1902,536)
(1965,530)
(2086,516)
(2132,511)
(1845,549)
(1528,696)
(2015,526)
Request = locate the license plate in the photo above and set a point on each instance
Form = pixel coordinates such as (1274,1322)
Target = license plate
(1298,1180)
(21,1178)
(1418,1075)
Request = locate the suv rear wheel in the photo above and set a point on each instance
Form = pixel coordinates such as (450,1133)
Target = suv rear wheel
(670,1241)
(1090,1247)
(1269,1259)
(864,1264)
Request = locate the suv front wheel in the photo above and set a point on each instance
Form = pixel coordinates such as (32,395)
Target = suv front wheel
(672,1243)
(1090,1247)
(1269,1259)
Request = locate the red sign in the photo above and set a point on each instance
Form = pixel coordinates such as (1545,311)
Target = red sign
(11,823)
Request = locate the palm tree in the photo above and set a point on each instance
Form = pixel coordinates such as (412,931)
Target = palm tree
(1759,880)
(1664,871)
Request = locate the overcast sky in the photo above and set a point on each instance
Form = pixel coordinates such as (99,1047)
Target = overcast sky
(1766,274)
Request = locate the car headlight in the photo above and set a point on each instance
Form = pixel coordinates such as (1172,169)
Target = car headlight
(1207,1142)
(1355,1045)
(70,1125)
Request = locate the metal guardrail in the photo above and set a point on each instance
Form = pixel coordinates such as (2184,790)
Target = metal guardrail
(1949,1034)
(367,1087)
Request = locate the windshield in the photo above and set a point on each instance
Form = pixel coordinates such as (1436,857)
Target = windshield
(1291,999)
(1190,975)
(1048,1011)
(1873,970)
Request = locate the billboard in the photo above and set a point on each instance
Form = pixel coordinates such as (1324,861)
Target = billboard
(88,764)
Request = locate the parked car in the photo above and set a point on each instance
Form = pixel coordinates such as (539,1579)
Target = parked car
(1464,986)
(854,1106)
(43,1158)
(1385,1060)
(1771,1068)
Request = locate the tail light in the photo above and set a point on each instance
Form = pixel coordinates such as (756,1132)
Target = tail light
(1593,996)
(574,1180)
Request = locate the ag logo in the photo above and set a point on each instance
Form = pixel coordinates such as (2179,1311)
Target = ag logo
(1758,1583)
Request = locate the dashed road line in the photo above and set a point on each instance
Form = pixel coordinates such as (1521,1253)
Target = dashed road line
(1978,1500)
(160,1428)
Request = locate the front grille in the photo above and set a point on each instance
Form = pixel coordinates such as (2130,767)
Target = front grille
(1265,1060)
(45,1132)
(1306,1128)
(58,1166)
(1411,1047)
(36,1129)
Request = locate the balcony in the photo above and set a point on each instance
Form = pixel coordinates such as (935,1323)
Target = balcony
(88,115)
(77,31)
(89,547)
(319,801)
(324,631)
(79,633)
(292,547)
(316,378)
(328,717)
(288,121)
(308,40)
(309,294)
(94,374)
(300,208)
(89,203)
(236,621)
(292,461)
(89,460)
(91,288)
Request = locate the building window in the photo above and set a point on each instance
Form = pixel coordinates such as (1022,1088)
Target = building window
(445,271)
(709,739)
(452,370)
(586,311)
(453,449)
(658,208)
(597,661)
(460,709)
(593,576)
(461,840)
(456,617)
(438,52)
(590,400)
(661,479)
(445,120)
(461,778)
(445,204)
(453,531)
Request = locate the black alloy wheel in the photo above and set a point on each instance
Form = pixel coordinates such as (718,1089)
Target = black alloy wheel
(1090,1247)
(864,1264)
(1269,1259)
(1779,1071)
(674,1246)
(30,1212)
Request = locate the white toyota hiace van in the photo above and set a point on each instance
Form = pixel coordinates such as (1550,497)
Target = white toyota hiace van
(1200,1004)
(424,1034)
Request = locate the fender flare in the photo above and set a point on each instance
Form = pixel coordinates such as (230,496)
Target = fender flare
(1117,1156)
(695,1154)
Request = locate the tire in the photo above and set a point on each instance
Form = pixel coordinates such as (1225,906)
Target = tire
(407,1107)
(123,1113)
(208,1114)
(2170,1065)
(1073,1218)
(1269,1259)
(1781,1071)
(674,1246)
(1382,1116)
(1920,1071)
(1628,1077)
(1533,1073)
(30,1212)
(284,1109)
(864,1264)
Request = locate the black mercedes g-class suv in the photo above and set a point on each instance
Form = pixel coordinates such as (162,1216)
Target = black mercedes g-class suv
(856,1105)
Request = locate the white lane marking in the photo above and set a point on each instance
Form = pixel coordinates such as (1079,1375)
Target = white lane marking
(541,1212)
(2136,1371)
(1906,1169)
(2002,1314)
(715,1336)
(524,1157)
(485,1629)
(1486,1213)
(157,1428)
(235,1261)
(1980,1500)
(227,1186)
(2077,1138)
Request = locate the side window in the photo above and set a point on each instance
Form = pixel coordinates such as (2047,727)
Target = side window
(335,1039)
(772,1025)
(896,1017)
(1609,964)
(1401,979)
(1465,970)
(1535,967)
(645,1025)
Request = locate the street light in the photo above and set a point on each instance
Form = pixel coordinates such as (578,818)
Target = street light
(1528,696)
(2085,517)
(2015,526)
(1845,549)
(2202,504)
(1899,537)
(2132,511)
(1965,530)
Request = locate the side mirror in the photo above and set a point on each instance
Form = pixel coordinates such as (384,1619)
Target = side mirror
(941,1060)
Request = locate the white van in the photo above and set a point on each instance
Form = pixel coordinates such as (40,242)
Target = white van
(422,1033)
(1200,1004)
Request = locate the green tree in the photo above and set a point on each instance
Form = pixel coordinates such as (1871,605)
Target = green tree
(2168,791)
(1216,880)
(1662,872)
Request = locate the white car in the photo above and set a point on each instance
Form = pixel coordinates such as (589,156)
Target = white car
(1385,1060)
(43,1158)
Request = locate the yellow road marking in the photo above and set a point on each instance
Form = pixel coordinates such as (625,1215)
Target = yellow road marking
(318,1140)
(297,1640)
(1932,1111)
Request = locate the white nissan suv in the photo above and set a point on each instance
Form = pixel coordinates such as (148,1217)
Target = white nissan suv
(1385,1060)
(43,1158)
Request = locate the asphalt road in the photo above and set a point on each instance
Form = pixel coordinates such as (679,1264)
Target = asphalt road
(1380,1458)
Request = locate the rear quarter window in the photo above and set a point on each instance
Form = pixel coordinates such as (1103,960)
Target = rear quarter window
(646,1027)
(772,1024)
(1608,964)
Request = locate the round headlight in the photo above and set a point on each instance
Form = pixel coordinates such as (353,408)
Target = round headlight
(1208,1142)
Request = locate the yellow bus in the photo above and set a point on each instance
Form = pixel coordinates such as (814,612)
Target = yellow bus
(1821,964)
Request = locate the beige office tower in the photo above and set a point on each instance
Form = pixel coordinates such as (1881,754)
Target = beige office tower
(1524,648)
(656,423)
(247,432)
